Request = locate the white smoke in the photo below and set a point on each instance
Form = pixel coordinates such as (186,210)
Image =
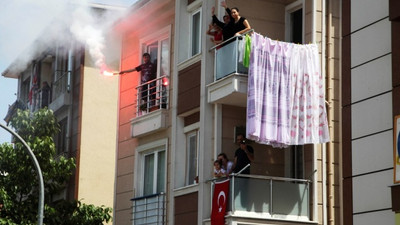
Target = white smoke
(22,22)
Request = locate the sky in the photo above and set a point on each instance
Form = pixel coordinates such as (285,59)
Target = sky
(21,21)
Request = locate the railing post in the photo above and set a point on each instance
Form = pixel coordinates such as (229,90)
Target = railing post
(271,211)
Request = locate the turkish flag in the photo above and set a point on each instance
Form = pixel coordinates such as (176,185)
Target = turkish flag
(219,202)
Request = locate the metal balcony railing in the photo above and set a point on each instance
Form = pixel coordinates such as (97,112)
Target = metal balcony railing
(152,95)
(60,86)
(149,209)
(264,197)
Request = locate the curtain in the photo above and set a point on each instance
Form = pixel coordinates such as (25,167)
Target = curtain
(285,102)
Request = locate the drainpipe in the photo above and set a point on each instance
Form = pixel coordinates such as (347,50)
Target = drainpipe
(70,97)
(330,147)
(324,146)
(315,147)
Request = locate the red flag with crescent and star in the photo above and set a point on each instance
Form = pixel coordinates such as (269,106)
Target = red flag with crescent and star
(219,202)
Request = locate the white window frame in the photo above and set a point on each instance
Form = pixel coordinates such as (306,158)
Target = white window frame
(141,152)
(289,9)
(191,32)
(192,129)
(159,36)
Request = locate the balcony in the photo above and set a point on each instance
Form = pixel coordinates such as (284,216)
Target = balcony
(230,76)
(60,91)
(149,209)
(151,107)
(260,198)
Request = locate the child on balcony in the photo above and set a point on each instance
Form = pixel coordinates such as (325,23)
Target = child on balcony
(218,171)
(216,33)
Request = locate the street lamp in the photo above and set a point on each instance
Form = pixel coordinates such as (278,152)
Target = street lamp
(39,172)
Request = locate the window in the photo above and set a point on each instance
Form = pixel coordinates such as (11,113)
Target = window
(151,168)
(191,157)
(294,22)
(159,53)
(60,139)
(195,42)
(154,176)
(295,162)
(154,94)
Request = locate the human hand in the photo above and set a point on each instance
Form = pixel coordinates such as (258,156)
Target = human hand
(223,4)
(237,34)
(213,10)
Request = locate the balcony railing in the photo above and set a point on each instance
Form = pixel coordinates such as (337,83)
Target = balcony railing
(60,86)
(262,197)
(149,209)
(152,95)
(227,59)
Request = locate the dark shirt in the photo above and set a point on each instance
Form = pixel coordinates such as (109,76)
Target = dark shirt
(242,160)
(229,30)
(148,72)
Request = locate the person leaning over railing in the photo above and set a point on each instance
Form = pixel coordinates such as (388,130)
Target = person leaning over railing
(237,24)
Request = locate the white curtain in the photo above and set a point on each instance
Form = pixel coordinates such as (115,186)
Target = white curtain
(285,104)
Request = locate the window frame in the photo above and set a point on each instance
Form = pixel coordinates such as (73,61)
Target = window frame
(289,9)
(141,152)
(192,129)
(192,14)
(161,35)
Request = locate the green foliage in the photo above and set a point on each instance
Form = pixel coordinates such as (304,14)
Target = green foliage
(19,188)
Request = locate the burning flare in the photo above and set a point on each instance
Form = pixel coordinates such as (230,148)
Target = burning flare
(107,72)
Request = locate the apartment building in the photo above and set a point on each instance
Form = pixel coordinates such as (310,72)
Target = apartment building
(144,114)
(166,149)
(84,102)
(370,104)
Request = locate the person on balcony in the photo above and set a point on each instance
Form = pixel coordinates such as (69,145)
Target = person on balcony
(218,170)
(244,155)
(216,33)
(226,164)
(45,94)
(226,32)
(237,24)
(148,72)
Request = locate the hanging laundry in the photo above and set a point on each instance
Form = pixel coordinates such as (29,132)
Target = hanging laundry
(285,102)
(247,50)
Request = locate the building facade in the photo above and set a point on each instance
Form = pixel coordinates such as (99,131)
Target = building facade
(85,105)
(370,102)
(166,149)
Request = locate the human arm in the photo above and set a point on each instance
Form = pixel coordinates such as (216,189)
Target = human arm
(209,32)
(127,71)
(248,150)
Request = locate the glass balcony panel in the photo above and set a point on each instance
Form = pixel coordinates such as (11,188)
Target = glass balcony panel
(290,198)
(227,60)
(251,194)
(262,197)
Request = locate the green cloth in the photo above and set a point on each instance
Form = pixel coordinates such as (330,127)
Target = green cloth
(247,49)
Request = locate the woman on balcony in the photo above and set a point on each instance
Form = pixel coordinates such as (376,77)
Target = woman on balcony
(237,24)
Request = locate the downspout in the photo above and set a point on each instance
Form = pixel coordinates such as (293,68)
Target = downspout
(330,147)
(325,150)
(324,145)
(69,92)
(315,147)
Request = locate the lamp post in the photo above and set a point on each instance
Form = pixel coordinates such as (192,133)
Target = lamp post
(39,172)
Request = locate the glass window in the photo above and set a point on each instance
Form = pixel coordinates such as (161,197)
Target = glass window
(154,172)
(159,53)
(192,157)
(296,21)
(196,33)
